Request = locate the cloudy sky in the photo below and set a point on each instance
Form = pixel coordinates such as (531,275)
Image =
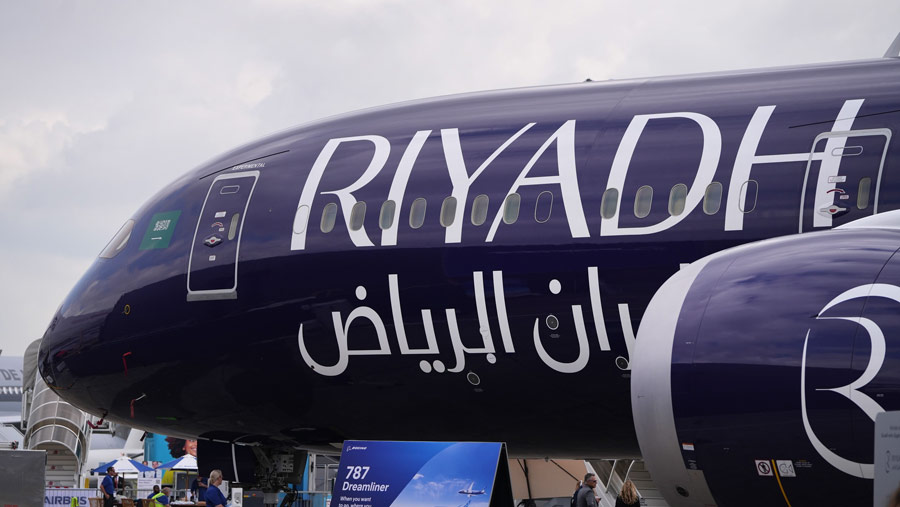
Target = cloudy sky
(104,103)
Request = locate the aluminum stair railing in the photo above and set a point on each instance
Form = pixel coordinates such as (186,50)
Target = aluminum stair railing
(612,474)
(60,429)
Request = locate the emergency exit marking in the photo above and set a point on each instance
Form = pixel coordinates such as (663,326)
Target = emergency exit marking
(763,468)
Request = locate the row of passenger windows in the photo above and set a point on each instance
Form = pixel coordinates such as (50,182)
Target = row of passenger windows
(643,199)
(478,215)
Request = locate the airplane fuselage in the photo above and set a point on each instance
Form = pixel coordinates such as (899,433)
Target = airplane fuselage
(471,267)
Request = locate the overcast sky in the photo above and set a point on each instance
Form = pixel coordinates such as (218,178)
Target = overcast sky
(104,103)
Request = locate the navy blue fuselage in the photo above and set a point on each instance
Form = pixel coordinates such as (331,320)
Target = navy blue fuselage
(471,267)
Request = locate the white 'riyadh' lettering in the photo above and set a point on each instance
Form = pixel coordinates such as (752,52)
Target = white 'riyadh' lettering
(830,164)
(398,185)
(460,178)
(747,157)
(567,179)
(851,391)
(709,160)
(345,195)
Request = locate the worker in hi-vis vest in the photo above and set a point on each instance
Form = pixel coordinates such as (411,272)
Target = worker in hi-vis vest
(161,498)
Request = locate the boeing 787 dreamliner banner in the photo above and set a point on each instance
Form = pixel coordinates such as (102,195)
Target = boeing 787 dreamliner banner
(421,474)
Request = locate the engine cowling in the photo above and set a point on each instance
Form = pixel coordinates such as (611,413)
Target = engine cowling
(758,371)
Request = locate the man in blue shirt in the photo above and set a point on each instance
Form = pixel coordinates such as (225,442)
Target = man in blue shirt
(198,488)
(108,487)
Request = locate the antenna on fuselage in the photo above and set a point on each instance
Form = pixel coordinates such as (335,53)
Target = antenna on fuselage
(894,50)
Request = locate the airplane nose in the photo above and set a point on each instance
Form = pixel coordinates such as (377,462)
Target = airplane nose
(51,354)
(70,340)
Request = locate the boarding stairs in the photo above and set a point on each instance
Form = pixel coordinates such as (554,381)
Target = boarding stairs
(611,474)
(58,428)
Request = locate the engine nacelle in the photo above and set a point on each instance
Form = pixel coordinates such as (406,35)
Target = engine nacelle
(758,371)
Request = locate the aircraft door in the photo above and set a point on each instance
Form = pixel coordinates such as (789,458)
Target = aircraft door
(213,264)
(843,178)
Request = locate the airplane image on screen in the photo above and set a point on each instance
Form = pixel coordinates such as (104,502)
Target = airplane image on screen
(471,492)
(698,271)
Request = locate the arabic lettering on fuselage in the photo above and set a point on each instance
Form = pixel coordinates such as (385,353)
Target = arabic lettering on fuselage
(463,177)
(486,346)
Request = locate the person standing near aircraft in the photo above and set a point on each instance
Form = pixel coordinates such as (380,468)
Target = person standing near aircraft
(214,496)
(586,497)
(108,487)
(198,488)
(160,497)
(628,497)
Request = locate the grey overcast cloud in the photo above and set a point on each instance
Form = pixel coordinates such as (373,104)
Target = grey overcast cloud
(104,103)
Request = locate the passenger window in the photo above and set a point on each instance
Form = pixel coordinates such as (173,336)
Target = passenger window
(118,242)
(357,216)
(609,202)
(480,209)
(329,215)
(448,211)
(417,213)
(386,218)
(300,219)
(511,208)
(543,206)
(642,201)
(677,197)
(862,196)
(713,198)
(749,193)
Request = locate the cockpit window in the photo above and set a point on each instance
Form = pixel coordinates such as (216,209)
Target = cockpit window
(117,244)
